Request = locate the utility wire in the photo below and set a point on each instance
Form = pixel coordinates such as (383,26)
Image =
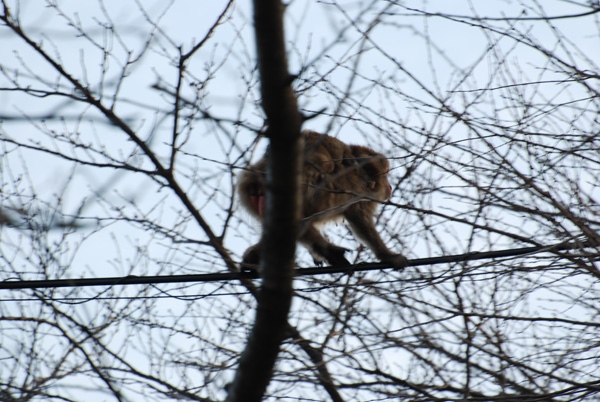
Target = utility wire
(230,276)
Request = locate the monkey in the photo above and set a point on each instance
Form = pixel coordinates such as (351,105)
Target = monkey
(339,181)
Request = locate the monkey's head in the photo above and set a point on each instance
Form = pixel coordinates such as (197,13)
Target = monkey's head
(374,168)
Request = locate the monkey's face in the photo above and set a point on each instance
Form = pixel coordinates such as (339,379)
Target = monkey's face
(389,186)
(383,188)
(376,169)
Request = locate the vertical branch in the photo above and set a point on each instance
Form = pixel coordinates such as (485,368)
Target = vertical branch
(283,207)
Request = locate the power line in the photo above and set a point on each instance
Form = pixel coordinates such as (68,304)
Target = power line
(230,276)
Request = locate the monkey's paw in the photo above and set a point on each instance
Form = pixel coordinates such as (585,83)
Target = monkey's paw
(396,261)
(334,255)
(329,253)
(251,259)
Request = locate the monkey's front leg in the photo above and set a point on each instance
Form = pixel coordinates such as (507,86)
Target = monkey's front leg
(363,227)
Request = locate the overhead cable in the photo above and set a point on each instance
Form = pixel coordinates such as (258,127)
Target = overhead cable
(230,276)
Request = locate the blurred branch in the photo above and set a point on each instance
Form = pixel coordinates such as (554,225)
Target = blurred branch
(280,223)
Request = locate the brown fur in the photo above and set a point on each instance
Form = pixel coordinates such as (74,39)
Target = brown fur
(339,181)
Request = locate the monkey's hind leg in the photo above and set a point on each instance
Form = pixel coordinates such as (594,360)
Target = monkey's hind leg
(322,250)
(251,258)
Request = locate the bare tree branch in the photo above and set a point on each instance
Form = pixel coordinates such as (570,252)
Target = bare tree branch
(283,207)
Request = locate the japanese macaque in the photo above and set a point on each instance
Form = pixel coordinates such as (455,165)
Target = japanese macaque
(339,181)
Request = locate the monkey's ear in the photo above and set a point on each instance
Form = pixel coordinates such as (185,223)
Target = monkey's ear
(349,159)
(366,163)
(371,168)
